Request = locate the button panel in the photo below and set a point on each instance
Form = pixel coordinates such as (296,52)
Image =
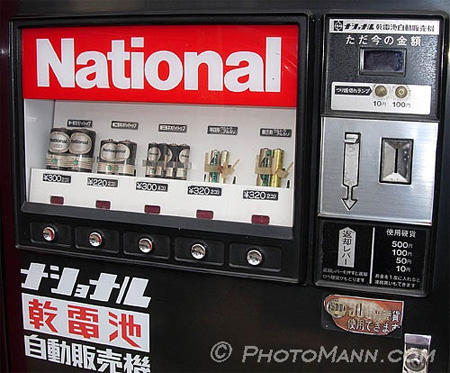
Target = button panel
(56,235)
(195,250)
(102,240)
(263,258)
(145,247)
(136,244)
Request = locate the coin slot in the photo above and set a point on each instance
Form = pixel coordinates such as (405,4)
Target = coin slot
(396,161)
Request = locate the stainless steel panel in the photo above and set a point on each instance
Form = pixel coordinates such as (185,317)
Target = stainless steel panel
(370,199)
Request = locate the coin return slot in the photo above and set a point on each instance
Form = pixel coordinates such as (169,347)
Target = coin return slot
(57,200)
(396,161)
(106,205)
(152,209)
(205,214)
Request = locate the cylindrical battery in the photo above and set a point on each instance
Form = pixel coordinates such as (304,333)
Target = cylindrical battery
(58,148)
(170,158)
(126,157)
(264,160)
(214,160)
(277,160)
(182,161)
(224,160)
(164,154)
(107,157)
(81,149)
(154,155)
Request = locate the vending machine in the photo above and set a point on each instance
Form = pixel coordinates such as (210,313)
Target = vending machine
(225,187)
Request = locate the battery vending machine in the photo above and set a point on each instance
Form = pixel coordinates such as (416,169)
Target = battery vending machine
(227,191)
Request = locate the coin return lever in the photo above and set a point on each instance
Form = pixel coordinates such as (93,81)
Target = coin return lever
(416,354)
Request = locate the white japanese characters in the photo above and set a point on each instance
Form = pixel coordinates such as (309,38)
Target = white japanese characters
(129,291)
(51,323)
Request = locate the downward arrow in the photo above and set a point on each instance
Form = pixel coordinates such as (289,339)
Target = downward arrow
(350,175)
(349,202)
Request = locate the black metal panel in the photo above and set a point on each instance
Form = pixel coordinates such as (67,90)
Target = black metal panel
(192,312)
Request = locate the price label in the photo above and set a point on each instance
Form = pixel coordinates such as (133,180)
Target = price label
(199,190)
(57,178)
(102,183)
(151,187)
(260,195)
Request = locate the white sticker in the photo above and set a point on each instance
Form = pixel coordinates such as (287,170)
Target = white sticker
(346,248)
(385,26)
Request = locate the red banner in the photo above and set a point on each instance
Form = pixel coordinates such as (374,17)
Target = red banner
(253,65)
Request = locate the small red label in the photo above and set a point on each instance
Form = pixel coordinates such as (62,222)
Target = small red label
(365,315)
(209,64)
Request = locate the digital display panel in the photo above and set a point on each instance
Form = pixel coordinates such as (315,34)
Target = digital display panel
(383,61)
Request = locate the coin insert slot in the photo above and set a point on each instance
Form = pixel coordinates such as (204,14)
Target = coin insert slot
(396,161)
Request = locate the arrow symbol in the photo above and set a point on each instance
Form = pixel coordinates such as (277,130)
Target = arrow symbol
(349,201)
(350,175)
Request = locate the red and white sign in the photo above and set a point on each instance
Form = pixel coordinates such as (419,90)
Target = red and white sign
(254,65)
(86,322)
